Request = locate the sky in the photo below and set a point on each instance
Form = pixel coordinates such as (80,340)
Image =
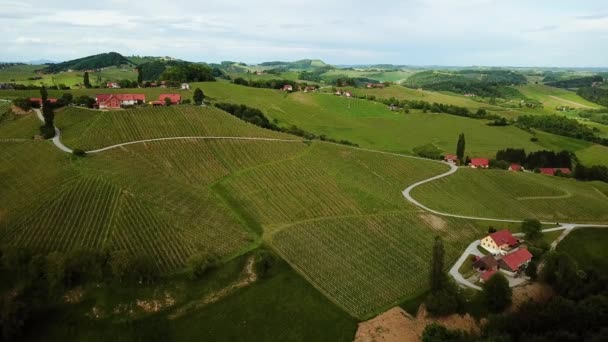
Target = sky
(407,32)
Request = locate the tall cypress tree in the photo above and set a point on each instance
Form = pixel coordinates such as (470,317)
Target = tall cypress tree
(44,94)
(460,147)
(437,262)
(140,76)
(199,96)
(86,81)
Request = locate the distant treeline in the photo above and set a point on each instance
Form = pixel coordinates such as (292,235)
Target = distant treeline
(536,159)
(479,82)
(271,84)
(257,117)
(594,94)
(315,75)
(561,125)
(179,71)
(91,62)
(600,115)
(579,82)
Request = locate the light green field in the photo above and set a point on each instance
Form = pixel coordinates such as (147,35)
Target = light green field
(512,195)
(380,75)
(552,97)
(89,129)
(19,126)
(20,73)
(588,248)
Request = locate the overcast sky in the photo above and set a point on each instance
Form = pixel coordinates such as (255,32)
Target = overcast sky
(413,32)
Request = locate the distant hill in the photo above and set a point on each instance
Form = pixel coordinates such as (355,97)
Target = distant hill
(477,81)
(138,60)
(91,62)
(303,64)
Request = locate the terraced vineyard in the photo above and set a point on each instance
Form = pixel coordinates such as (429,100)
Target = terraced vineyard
(368,263)
(17,126)
(503,194)
(89,130)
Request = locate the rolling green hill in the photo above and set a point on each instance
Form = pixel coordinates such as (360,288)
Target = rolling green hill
(496,193)
(102,60)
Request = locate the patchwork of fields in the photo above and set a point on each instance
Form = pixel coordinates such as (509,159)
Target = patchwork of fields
(513,195)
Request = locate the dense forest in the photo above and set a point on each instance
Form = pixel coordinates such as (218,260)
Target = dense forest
(579,82)
(594,94)
(482,83)
(91,62)
(560,125)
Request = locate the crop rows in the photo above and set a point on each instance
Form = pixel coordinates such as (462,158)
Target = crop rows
(90,130)
(366,263)
(502,194)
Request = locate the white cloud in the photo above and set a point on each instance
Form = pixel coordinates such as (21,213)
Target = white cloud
(480,32)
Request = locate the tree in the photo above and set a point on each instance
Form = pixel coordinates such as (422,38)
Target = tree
(48,114)
(437,262)
(167,101)
(438,333)
(44,94)
(120,263)
(496,293)
(86,81)
(140,76)
(460,147)
(55,270)
(200,263)
(532,229)
(198,97)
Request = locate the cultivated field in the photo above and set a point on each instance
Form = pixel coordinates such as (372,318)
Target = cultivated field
(552,97)
(89,129)
(20,74)
(516,195)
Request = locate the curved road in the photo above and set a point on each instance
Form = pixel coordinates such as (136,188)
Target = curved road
(471,249)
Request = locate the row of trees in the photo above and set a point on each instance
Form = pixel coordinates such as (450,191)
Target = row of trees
(561,125)
(256,117)
(594,94)
(536,159)
(272,84)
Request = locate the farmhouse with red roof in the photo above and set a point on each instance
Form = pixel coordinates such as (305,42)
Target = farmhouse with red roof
(113,101)
(500,242)
(38,100)
(479,163)
(551,171)
(175,98)
(515,262)
(450,158)
(516,167)
(485,276)
(287,87)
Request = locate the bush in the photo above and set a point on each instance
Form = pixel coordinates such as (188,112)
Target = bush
(532,229)
(496,293)
(23,103)
(442,303)
(264,263)
(79,153)
(200,263)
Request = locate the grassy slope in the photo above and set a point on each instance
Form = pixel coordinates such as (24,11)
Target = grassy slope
(503,194)
(552,97)
(282,307)
(14,126)
(588,248)
(21,73)
(88,129)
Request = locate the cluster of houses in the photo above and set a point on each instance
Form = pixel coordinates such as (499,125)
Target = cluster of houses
(340,92)
(306,89)
(114,101)
(162,84)
(506,254)
(484,163)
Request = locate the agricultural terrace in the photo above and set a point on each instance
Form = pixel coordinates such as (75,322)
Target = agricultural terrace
(588,248)
(337,215)
(90,129)
(514,195)
(121,199)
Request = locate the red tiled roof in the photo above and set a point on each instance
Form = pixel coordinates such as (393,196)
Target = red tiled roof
(480,162)
(121,97)
(175,98)
(450,157)
(487,274)
(503,237)
(516,167)
(516,259)
(551,170)
(39,100)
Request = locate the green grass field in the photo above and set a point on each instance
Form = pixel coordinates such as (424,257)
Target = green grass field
(20,73)
(552,97)
(512,195)
(587,247)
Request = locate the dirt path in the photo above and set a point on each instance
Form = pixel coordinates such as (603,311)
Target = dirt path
(249,276)
(570,102)
(396,325)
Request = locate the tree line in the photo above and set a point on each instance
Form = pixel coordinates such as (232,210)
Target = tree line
(561,125)
(257,117)
(579,82)
(271,84)
(594,94)
(536,159)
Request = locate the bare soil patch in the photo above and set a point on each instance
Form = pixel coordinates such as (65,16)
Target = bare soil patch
(396,325)
(537,292)
(18,110)
(434,221)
